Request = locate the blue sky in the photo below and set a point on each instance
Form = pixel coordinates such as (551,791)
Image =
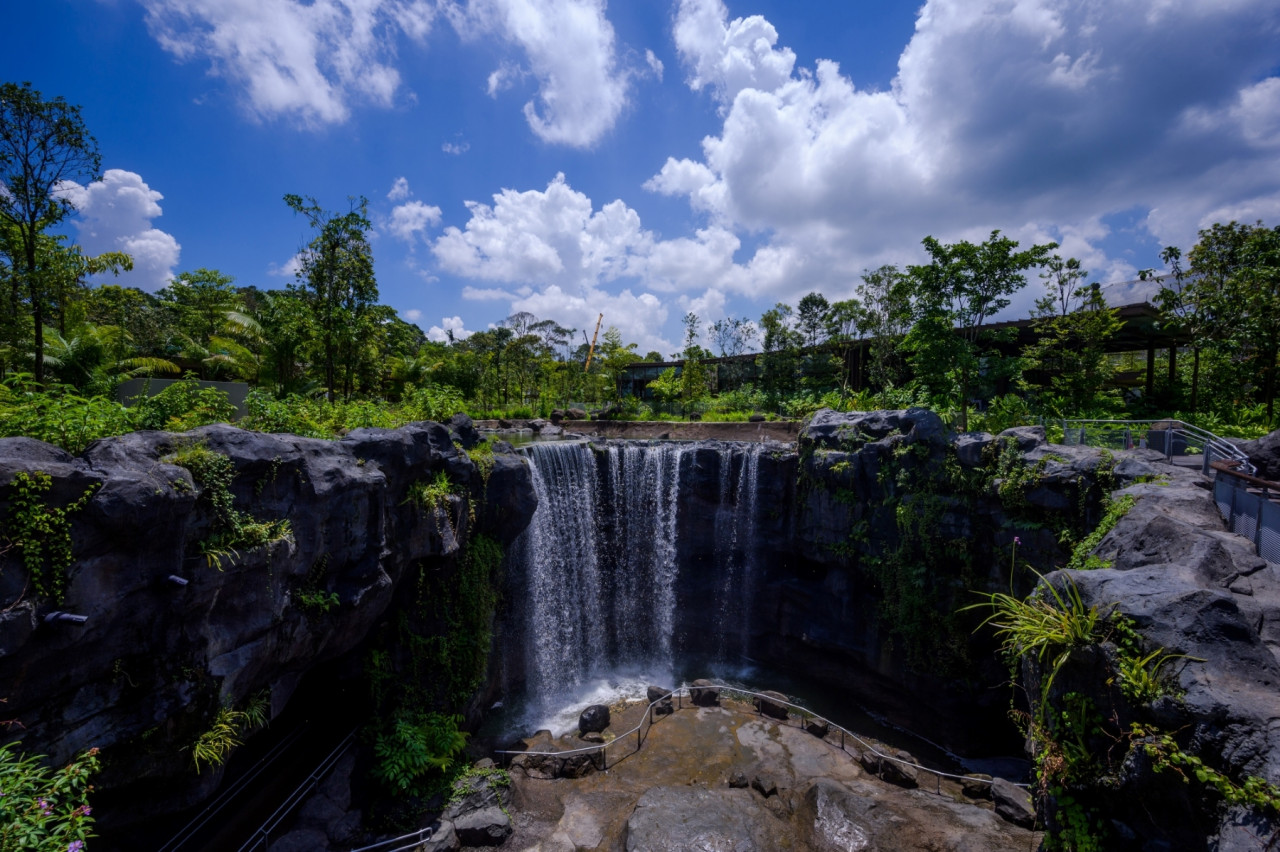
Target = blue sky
(642,159)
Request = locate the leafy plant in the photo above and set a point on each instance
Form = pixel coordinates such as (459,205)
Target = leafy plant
(42,533)
(1048,628)
(233,529)
(226,732)
(215,745)
(417,746)
(41,809)
(1082,556)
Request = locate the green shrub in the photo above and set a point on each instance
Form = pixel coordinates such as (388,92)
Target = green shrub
(417,748)
(41,809)
(60,417)
(183,406)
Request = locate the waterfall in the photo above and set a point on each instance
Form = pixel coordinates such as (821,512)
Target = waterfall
(600,562)
(735,534)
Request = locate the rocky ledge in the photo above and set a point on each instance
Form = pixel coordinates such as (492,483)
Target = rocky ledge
(721,776)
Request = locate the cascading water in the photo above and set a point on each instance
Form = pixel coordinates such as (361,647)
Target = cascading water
(600,562)
(735,534)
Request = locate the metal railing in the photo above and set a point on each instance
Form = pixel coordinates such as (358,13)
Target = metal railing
(1174,438)
(803,715)
(193,830)
(415,839)
(261,838)
(1246,504)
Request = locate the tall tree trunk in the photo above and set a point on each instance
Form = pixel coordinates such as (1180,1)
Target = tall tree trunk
(1195,378)
(37,315)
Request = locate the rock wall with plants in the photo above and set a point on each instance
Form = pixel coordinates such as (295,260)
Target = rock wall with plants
(1154,716)
(162,595)
(1094,598)
(893,524)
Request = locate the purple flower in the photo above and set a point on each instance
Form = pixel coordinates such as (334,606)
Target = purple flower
(1017,540)
(44,807)
(76,846)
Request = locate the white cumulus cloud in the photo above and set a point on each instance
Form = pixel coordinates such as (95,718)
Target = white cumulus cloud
(569,49)
(313,60)
(304,60)
(399,190)
(412,219)
(1043,118)
(449,328)
(114,214)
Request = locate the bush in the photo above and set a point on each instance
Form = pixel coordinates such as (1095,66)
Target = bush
(183,406)
(42,809)
(60,417)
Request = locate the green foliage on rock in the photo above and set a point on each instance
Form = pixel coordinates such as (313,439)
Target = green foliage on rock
(41,532)
(233,530)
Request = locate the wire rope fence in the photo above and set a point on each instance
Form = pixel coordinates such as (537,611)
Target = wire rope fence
(804,716)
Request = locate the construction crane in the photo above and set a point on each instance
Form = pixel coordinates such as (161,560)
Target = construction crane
(592,348)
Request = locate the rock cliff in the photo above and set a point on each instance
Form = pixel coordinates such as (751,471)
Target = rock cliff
(190,595)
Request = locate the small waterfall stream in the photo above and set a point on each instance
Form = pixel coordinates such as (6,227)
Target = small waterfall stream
(601,561)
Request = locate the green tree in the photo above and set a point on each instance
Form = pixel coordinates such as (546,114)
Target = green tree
(779,358)
(337,285)
(884,298)
(202,298)
(1074,324)
(962,287)
(813,319)
(1243,264)
(43,143)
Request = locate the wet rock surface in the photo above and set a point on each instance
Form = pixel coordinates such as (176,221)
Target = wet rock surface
(725,778)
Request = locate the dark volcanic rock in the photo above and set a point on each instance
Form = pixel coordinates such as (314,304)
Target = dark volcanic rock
(776,708)
(1264,454)
(1191,589)
(594,719)
(1013,803)
(143,676)
(703,693)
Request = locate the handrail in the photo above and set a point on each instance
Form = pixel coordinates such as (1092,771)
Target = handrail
(234,789)
(1214,445)
(262,836)
(803,712)
(1227,468)
(416,836)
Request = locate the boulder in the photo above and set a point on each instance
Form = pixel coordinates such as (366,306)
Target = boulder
(772,704)
(660,698)
(443,839)
(704,694)
(594,719)
(556,416)
(849,430)
(976,785)
(897,767)
(1025,438)
(818,727)
(971,448)
(1013,803)
(462,430)
(575,414)
(485,827)
(1264,455)
(757,418)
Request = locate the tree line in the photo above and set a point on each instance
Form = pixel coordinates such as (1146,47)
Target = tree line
(921,334)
